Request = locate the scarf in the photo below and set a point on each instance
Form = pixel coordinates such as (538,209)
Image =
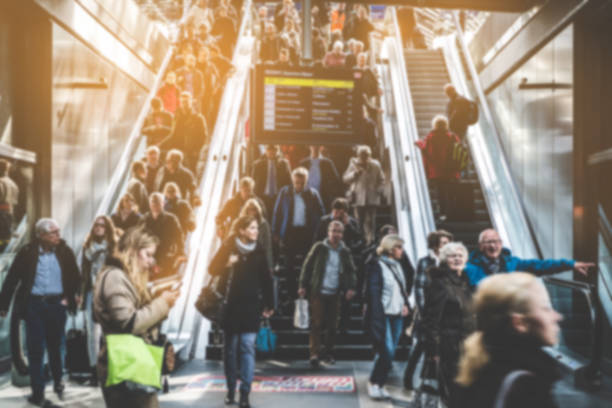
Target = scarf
(243,248)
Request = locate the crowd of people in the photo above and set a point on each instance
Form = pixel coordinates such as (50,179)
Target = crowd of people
(298,216)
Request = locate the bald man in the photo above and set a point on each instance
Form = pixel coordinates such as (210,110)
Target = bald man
(492,257)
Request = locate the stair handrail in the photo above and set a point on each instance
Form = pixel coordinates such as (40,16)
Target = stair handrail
(413,196)
(505,206)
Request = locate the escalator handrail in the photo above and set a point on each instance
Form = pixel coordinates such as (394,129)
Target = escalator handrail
(522,234)
(422,219)
(585,288)
(203,241)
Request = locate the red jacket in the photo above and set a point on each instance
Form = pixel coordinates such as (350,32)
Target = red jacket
(169,94)
(437,149)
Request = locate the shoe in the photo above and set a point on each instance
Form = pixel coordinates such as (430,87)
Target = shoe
(244,400)
(384,394)
(59,391)
(39,401)
(314,362)
(374,391)
(230,398)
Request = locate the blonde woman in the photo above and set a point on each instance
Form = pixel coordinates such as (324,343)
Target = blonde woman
(448,318)
(253,209)
(127,215)
(123,304)
(504,359)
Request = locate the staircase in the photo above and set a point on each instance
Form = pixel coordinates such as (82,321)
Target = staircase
(292,343)
(427,75)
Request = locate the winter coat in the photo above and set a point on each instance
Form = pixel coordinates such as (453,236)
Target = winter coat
(437,149)
(169,94)
(138,190)
(260,174)
(313,269)
(155,134)
(22,273)
(448,316)
(476,270)
(283,210)
(421,280)
(458,113)
(131,221)
(375,312)
(330,180)
(189,134)
(183,211)
(167,229)
(197,81)
(367,186)
(264,239)
(528,391)
(183,177)
(250,277)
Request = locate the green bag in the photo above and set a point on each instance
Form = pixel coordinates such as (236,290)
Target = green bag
(133,362)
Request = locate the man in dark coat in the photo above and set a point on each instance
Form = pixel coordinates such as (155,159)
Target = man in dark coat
(271,173)
(191,79)
(322,175)
(190,133)
(166,227)
(48,277)
(158,123)
(296,215)
(457,111)
(176,172)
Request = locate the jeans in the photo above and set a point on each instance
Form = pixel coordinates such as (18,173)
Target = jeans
(382,366)
(239,347)
(366,215)
(415,355)
(45,322)
(323,316)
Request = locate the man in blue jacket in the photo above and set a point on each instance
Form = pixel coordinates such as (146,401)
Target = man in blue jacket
(296,216)
(492,257)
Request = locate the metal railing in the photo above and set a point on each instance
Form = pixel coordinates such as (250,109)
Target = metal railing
(501,196)
(184,326)
(412,202)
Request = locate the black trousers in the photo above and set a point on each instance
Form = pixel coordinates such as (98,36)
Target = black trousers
(295,246)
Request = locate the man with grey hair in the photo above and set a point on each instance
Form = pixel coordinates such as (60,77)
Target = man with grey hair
(491,257)
(328,273)
(46,272)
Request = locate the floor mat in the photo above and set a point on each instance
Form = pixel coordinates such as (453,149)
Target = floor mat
(300,384)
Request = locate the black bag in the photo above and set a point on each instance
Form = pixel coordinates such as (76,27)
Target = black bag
(77,355)
(473,113)
(212,302)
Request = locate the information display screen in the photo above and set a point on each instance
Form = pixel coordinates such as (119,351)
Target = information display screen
(306,106)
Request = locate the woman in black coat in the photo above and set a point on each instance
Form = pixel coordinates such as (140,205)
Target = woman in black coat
(448,318)
(503,362)
(242,262)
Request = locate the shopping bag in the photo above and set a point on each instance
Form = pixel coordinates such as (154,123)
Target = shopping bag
(300,317)
(266,338)
(134,363)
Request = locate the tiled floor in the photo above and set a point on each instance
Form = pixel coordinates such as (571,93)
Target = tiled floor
(181,396)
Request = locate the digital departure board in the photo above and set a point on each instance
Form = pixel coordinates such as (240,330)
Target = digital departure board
(306,106)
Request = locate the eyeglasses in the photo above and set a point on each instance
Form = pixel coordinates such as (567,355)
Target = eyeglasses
(492,242)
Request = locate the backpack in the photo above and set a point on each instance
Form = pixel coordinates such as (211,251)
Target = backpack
(460,157)
(472,116)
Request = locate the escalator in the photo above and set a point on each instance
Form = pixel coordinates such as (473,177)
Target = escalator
(427,76)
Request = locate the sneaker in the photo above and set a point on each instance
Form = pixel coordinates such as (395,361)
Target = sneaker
(374,391)
(384,394)
(329,359)
(59,390)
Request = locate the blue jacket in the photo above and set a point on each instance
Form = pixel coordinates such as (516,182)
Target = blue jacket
(283,210)
(475,267)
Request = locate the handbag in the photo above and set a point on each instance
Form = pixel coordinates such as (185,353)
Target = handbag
(266,338)
(300,317)
(212,301)
(77,355)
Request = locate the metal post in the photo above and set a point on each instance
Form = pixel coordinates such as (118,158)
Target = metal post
(307,40)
